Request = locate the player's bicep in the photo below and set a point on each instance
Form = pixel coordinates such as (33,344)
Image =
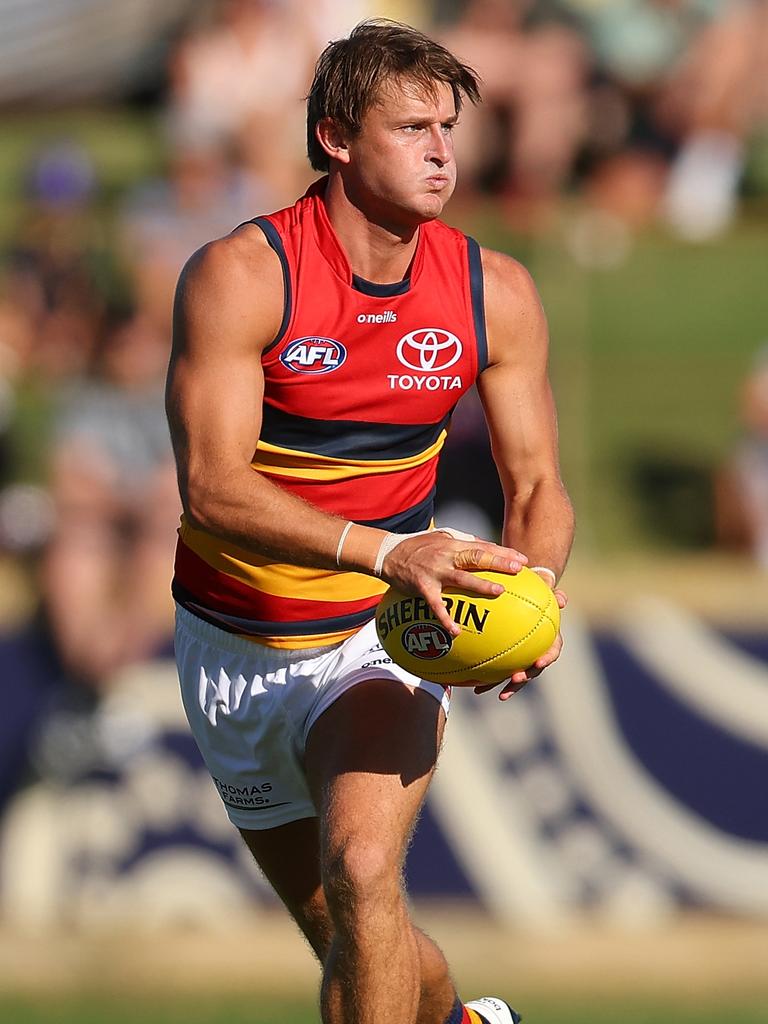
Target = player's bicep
(214,415)
(215,378)
(515,389)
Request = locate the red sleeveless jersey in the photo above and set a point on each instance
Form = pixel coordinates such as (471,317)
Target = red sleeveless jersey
(359,387)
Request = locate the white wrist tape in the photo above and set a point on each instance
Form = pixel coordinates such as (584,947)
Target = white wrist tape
(391,541)
(547,570)
(342,538)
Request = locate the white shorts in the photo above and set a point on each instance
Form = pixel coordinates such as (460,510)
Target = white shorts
(251,708)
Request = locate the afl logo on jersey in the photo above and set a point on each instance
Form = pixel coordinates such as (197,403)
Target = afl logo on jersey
(429,349)
(314,355)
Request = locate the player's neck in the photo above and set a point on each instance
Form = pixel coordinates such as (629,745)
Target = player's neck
(377,251)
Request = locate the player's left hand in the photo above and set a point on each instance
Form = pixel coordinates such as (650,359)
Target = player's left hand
(518,679)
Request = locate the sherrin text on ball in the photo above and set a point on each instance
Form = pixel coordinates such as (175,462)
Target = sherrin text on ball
(499,635)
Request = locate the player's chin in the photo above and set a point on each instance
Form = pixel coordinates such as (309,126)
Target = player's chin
(433,201)
(426,209)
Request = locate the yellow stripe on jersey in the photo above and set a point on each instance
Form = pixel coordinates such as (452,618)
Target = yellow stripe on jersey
(276,578)
(270,458)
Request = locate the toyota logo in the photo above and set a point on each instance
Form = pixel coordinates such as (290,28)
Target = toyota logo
(429,349)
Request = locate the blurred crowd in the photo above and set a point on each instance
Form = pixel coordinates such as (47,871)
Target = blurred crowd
(641,110)
(646,106)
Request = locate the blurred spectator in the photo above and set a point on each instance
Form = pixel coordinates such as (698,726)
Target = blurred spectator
(17,340)
(58,262)
(164,220)
(718,98)
(106,572)
(742,490)
(675,97)
(58,272)
(248,72)
(104,569)
(651,103)
(333,19)
(103,538)
(522,141)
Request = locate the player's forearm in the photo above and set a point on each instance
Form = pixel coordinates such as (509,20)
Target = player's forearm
(250,511)
(540,523)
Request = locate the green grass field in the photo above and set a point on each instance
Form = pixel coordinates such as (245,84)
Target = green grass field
(226,1010)
(687,970)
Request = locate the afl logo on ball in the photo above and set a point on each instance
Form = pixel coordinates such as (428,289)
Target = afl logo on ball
(429,349)
(313,355)
(426,640)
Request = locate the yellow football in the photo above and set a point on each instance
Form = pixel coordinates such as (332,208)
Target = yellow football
(499,635)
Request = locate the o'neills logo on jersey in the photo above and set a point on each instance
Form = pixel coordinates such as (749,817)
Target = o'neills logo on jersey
(389,316)
(313,355)
(428,351)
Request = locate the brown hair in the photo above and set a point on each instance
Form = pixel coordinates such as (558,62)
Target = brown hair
(350,72)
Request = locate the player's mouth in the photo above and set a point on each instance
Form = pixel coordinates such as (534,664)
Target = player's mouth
(438,181)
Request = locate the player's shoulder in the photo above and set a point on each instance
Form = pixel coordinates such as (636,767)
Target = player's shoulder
(244,256)
(515,318)
(506,275)
(238,281)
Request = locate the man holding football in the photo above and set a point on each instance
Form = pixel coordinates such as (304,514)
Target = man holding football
(318,354)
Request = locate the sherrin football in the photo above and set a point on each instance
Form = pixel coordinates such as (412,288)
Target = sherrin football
(499,635)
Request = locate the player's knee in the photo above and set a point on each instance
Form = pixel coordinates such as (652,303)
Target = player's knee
(360,872)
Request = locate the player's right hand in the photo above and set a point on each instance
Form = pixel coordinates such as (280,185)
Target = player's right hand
(429,562)
(518,680)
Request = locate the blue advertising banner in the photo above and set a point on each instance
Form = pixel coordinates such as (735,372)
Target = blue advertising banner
(629,781)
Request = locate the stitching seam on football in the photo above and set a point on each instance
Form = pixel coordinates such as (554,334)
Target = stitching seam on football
(527,600)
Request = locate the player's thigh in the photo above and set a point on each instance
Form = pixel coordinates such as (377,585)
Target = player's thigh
(289,856)
(369,759)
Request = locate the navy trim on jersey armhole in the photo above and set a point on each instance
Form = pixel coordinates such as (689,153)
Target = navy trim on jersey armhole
(477,292)
(275,242)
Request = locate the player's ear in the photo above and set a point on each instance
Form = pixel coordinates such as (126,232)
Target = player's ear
(331,138)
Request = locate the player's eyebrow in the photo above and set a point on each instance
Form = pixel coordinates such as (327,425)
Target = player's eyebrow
(425,121)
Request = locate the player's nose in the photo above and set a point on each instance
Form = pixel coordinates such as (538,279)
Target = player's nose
(439,145)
